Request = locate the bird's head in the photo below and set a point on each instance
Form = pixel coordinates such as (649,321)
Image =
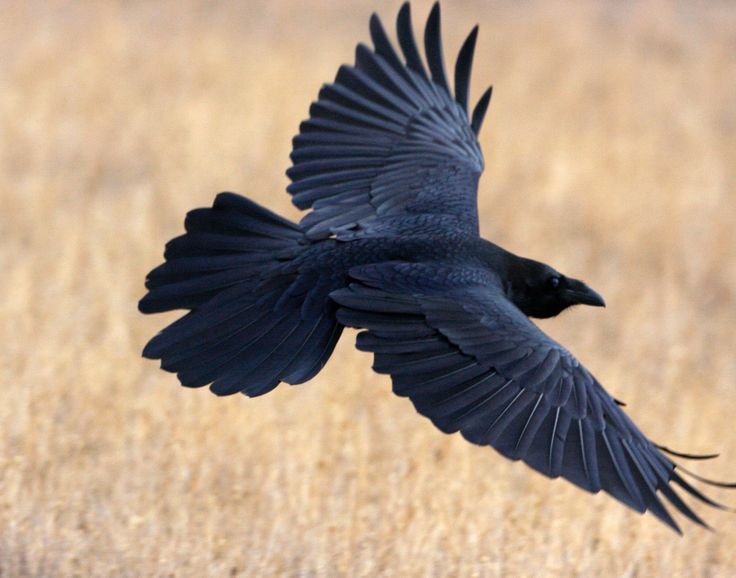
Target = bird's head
(540,291)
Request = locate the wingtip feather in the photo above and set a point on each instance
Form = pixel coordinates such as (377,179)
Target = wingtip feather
(433,47)
(684,455)
(479,112)
(463,69)
(405,34)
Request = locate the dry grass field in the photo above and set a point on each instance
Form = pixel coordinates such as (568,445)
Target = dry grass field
(611,154)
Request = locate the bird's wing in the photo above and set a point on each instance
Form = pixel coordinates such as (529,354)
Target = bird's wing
(387,148)
(472,362)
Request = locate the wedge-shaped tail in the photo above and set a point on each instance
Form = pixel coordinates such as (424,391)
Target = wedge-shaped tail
(256,319)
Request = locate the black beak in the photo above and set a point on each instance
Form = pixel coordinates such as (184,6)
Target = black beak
(579,292)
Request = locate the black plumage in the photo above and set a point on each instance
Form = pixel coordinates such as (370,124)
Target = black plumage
(388,164)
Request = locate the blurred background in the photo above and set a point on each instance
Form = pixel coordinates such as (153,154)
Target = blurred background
(610,153)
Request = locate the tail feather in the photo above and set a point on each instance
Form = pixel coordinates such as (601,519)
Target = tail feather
(234,242)
(227,363)
(217,318)
(256,319)
(254,324)
(258,365)
(237,215)
(195,290)
(318,348)
(199,244)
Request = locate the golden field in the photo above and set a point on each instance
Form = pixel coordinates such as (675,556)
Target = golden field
(610,153)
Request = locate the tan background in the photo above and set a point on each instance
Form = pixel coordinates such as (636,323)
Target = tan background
(611,154)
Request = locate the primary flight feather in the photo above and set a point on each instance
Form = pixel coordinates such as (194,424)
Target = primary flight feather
(388,165)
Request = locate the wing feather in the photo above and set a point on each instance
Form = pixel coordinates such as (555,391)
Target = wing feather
(433,47)
(411,158)
(463,67)
(405,33)
(479,112)
(470,361)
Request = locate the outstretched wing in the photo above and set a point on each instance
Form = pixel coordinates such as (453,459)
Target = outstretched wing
(472,362)
(387,149)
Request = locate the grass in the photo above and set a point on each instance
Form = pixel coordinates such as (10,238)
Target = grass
(611,154)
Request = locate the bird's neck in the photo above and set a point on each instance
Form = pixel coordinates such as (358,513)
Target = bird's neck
(512,269)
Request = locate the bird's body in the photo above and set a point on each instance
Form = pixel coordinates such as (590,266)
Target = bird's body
(389,163)
(463,250)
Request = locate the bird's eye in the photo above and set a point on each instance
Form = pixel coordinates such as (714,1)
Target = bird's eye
(554,282)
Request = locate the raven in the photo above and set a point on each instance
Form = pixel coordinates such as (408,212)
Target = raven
(389,163)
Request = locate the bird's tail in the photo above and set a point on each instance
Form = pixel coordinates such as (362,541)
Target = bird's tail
(256,318)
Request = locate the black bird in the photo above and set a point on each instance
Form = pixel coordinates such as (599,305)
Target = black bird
(388,162)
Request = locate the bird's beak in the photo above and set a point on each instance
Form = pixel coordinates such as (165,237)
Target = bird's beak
(579,292)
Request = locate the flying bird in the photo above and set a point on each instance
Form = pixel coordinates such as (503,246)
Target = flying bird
(387,164)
